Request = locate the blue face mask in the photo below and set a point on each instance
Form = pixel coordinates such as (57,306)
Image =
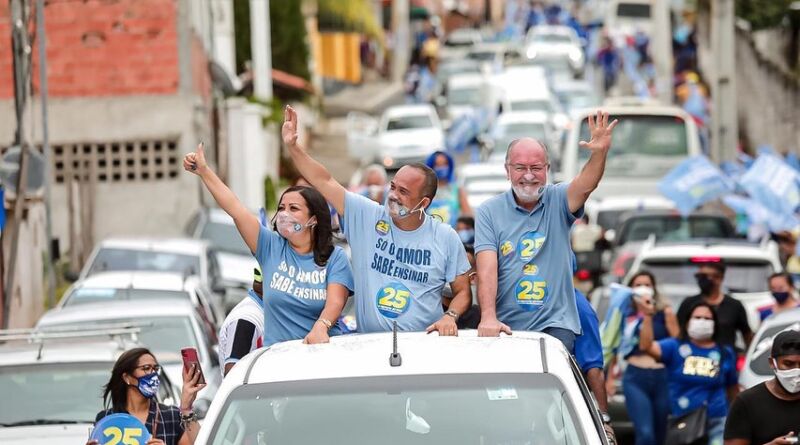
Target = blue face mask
(781,297)
(467,236)
(442,172)
(148,385)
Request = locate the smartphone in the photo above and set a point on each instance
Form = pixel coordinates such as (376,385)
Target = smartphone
(190,358)
(791,439)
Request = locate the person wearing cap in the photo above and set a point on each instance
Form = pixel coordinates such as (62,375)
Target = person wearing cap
(769,413)
(243,328)
(730,311)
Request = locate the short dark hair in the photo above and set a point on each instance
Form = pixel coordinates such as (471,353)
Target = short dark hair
(431,183)
(468,220)
(783,275)
(719,266)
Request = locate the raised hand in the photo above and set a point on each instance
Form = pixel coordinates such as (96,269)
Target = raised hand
(600,131)
(289,129)
(195,162)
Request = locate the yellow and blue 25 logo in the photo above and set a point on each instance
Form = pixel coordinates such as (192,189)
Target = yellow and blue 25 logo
(382,227)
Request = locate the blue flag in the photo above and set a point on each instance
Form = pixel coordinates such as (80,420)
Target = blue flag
(793,160)
(773,184)
(619,308)
(694,182)
(758,214)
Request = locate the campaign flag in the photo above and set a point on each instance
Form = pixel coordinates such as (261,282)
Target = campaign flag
(694,182)
(758,214)
(619,308)
(773,184)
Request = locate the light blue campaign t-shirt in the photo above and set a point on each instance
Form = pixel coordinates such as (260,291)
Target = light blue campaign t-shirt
(534,279)
(399,275)
(295,287)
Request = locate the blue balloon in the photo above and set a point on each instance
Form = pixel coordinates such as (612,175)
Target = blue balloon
(120,428)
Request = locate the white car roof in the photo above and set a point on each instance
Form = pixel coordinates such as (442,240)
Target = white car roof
(724,249)
(367,355)
(114,310)
(75,351)
(553,30)
(466,80)
(186,246)
(169,281)
(481,169)
(522,117)
(408,110)
(658,110)
(632,203)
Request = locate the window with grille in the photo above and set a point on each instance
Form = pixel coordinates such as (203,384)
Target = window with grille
(122,161)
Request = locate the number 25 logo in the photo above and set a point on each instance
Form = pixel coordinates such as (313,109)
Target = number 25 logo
(532,290)
(130,436)
(395,298)
(530,245)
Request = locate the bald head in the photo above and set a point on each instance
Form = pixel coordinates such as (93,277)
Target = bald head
(527,147)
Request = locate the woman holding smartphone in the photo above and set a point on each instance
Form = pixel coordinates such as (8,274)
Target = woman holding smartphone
(307,280)
(133,389)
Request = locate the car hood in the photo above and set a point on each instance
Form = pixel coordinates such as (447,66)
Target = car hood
(68,434)
(236,268)
(428,137)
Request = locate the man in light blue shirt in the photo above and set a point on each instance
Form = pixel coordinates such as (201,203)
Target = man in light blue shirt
(522,241)
(402,258)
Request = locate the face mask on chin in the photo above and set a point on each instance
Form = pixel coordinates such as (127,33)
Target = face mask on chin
(399,211)
(288,226)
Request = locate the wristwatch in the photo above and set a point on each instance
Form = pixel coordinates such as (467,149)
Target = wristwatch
(606,418)
(452,314)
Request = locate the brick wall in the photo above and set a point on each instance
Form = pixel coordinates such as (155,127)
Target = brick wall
(102,48)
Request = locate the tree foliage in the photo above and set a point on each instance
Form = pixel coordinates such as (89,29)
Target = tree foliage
(763,13)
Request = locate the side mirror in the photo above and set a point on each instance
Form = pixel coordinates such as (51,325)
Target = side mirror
(71,276)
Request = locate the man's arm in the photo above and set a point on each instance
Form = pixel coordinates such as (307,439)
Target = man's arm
(597,384)
(589,177)
(461,301)
(489,326)
(314,172)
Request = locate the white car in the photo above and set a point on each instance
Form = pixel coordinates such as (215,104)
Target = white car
(145,287)
(556,42)
(625,17)
(482,181)
(576,95)
(747,268)
(541,100)
(467,93)
(523,388)
(52,383)
(408,134)
(514,125)
(180,255)
(458,43)
(647,143)
(166,327)
(756,367)
(236,262)
(496,55)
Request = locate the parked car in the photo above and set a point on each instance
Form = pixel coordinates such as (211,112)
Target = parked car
(408,134)
(152,287)
(576,95)
(556,41)
(756,367)
(467,93)
(517,389)
(482,181)
(166,328)
(514,125)
(53,382)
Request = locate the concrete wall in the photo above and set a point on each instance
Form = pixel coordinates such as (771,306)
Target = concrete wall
(768,100)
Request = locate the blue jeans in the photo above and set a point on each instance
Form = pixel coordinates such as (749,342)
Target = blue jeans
(716,430)
(564,335)
(647,401)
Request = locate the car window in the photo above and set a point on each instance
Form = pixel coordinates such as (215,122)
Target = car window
(165,336)
(551,38)
(113,259)
(465,96)
(643,145)
(608,219)
(409,122)
(95,295)
(759,361)
(532,105)
(674,228)
(416,409)
(740,276)
(633,10)
(225,238)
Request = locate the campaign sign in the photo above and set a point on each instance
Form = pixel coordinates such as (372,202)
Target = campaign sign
(120,429)
(694,182)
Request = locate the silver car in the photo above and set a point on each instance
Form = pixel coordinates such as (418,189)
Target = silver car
(756,366)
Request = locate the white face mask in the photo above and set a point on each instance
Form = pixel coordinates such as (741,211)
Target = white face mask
(288,226)
(700,329)
(400,211)
(644,291)
(788,378)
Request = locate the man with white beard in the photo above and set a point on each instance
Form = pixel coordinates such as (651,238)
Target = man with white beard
(522,242)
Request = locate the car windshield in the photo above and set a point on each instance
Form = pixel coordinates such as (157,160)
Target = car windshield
(225,237)
(633,10)
(674,228)
(551,38)
(580,99)
(608,219)
(416,409)
(740,275)
(465,96)
(505,134)
(53,392)
(759,361)
(483,56)
(95,295)
(643,145)
(114,259)
(531,105)
(409,122)
(165,336)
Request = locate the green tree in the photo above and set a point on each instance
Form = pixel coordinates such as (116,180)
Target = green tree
(763,13)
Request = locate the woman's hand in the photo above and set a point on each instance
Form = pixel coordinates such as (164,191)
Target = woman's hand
(191,386)
(645,305)
(318,334)
(195,162)
(92,442)
(155,441)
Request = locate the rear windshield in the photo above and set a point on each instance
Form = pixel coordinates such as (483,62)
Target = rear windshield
(112,259)
(94,295)
(740,276)
(675,228)
(633,10)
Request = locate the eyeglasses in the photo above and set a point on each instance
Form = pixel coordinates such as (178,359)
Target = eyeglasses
(149,368)
(520,168)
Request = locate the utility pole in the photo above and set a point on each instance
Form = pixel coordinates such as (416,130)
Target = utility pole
(401,37)
(20,50)
(48,172)
(261,49)
(724,123)
(662,50)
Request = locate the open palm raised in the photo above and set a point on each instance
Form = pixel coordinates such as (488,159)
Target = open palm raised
(600,131)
